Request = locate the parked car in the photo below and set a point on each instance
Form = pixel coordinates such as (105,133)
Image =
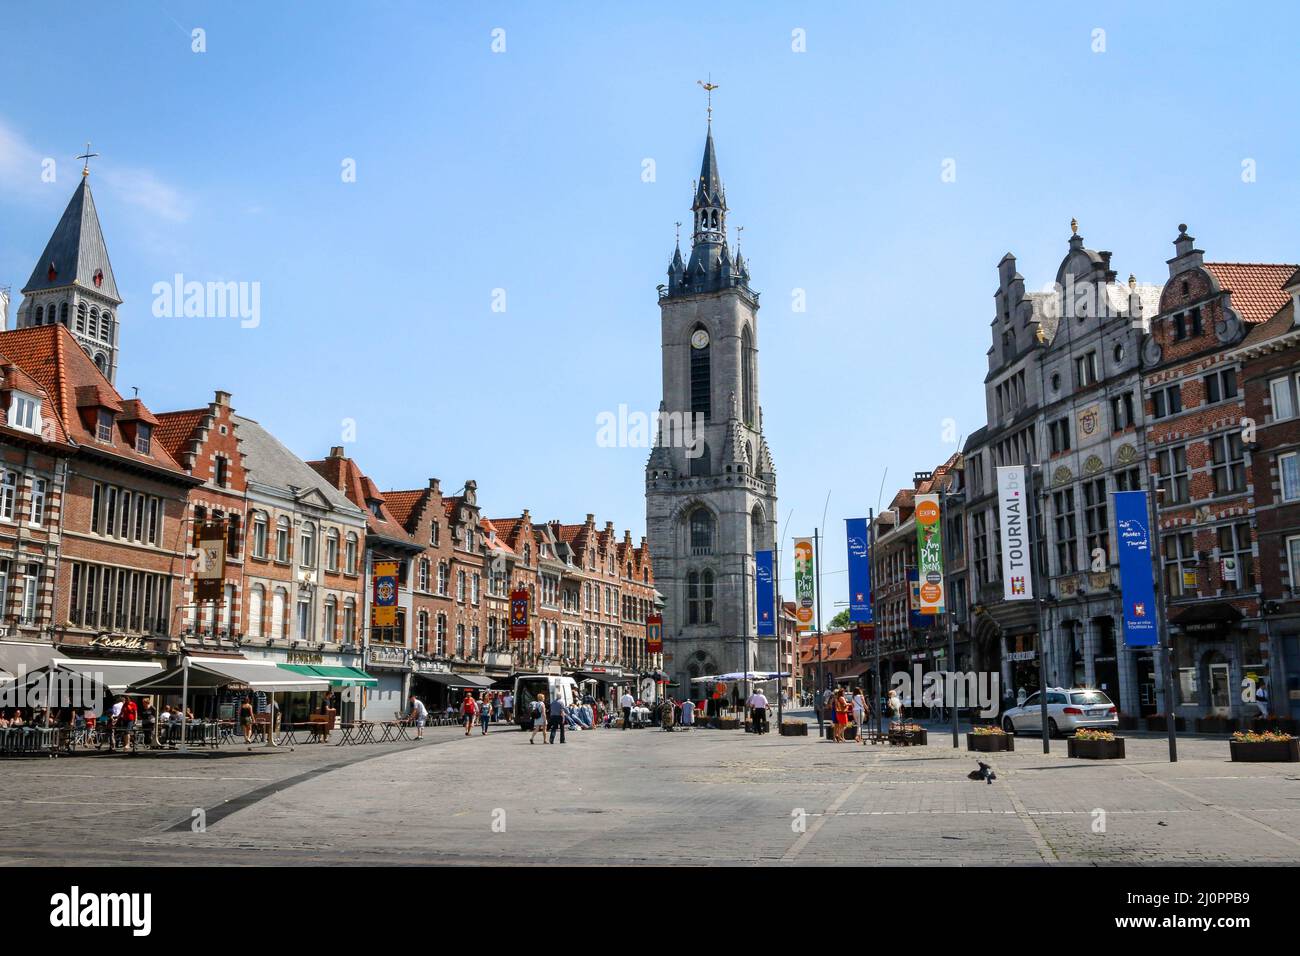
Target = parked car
(1067,711)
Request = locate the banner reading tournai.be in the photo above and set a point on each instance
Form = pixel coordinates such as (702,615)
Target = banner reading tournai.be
(804,584)
(1013,519)
(929,553)
(859,571)
(1135,576)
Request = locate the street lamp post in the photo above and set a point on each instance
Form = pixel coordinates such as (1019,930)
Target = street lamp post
(821,662)
(1039,523)
(1162,617)
(947,497)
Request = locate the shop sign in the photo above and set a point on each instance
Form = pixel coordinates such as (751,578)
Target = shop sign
(305,657)
(121,643)
(1022,655)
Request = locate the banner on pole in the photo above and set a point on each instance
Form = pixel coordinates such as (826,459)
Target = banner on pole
(1013,520)
(384,600)
(929,551)
(654,634)
(764,593)
(805,587)
(1135,580)
(210,564)
(519,614)
(859,571)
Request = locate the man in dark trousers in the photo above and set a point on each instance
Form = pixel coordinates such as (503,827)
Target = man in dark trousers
(556,720)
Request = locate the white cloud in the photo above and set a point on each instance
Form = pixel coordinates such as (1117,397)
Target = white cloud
(141,188)
(20,165)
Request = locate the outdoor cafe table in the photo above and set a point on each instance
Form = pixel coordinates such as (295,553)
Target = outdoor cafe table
(391,730)
(357,732)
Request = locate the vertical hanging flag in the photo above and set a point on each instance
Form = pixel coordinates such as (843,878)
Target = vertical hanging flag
(929,550)
(914,618)
(805,589)
(210,564)
(1135,581)
(1013,520)
(654,634)
(519,614)
(859,571)
(764,594)
(383,611)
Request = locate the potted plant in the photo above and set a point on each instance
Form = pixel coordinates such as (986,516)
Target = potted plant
(1215,725)
(907,734)
(728,723)
(1095,745)
(794,728)
(989,738)
(1268,747)
(1158,723)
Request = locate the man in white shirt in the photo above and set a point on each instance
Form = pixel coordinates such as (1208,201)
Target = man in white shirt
(627,702)
(508,705)
(758,710)
(688,713)
(418,715)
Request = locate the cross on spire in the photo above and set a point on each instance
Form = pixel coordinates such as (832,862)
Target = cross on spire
(87,156)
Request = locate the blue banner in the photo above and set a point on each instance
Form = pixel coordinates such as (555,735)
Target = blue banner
(1135,568)
(765,593)
(859,571)
(914,616)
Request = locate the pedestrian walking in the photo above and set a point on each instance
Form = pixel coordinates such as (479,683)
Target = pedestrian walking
(485,715)
(508,704)
(468,711)
(418,715)
(627,702)
(859,712)
(895,705)
(841,709)
(537,709)
(557,716)
(758,710)
(688,713)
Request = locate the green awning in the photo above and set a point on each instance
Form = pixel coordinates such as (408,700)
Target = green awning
(337,676)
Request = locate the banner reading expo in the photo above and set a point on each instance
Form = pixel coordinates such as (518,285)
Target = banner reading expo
(1135,582)
(383,611)
(764,593)
(859,571)
(929,550)
(1017,561)
(804,584)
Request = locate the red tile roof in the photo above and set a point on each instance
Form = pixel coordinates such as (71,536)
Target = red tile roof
(345,475)
(51,356)
(176,428)
(11,376)
(403,504)
(1256,287)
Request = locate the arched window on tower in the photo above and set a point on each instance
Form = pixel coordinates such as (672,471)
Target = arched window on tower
(702,525)
(81,317)
(40,315)
(747,377)
(63,314)
(701,373)
(757,538)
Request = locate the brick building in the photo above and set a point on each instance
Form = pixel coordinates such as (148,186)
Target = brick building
(1194,443)
(119,582)
(1269,359)
(387,647)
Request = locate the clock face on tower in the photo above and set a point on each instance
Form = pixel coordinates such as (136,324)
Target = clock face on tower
(700,339)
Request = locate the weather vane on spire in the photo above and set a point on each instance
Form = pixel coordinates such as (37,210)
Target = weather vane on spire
(87,156)
(709,87)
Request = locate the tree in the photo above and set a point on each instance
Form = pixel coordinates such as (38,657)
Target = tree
(840,621)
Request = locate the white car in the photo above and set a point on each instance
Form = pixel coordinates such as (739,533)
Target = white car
(1067,711)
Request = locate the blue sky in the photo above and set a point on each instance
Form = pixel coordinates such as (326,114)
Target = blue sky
(522,171)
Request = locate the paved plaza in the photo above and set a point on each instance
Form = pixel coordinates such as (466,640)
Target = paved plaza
(644,796)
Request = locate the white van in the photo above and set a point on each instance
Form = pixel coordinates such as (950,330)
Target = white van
(528,686)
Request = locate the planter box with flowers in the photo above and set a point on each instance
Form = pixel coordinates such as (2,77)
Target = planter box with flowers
(1215,725)
(727,723)
(989,739)
(794,728)
(1157,723)
(907,735)
(1095,745)
(1267,747)
(1280,725)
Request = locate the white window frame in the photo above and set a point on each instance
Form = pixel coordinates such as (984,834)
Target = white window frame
(1285,392)
(25,412)
(1292,458)
(37,512)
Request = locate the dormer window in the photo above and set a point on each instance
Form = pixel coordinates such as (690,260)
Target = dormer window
(143,438)
(99,278)
(104,425)
(375,508)
(25,412)
(52,273)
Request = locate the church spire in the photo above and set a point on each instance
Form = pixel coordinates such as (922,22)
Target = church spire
(710,205)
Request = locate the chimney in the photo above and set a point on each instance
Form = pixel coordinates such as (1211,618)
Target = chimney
(223,398)
(435,486)
(591,519)
(336,451)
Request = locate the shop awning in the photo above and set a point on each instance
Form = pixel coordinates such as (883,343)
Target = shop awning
(853,673)
(209,673)
(117,676)
(338,676)
(602,677)
(28,657)
(459,680)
